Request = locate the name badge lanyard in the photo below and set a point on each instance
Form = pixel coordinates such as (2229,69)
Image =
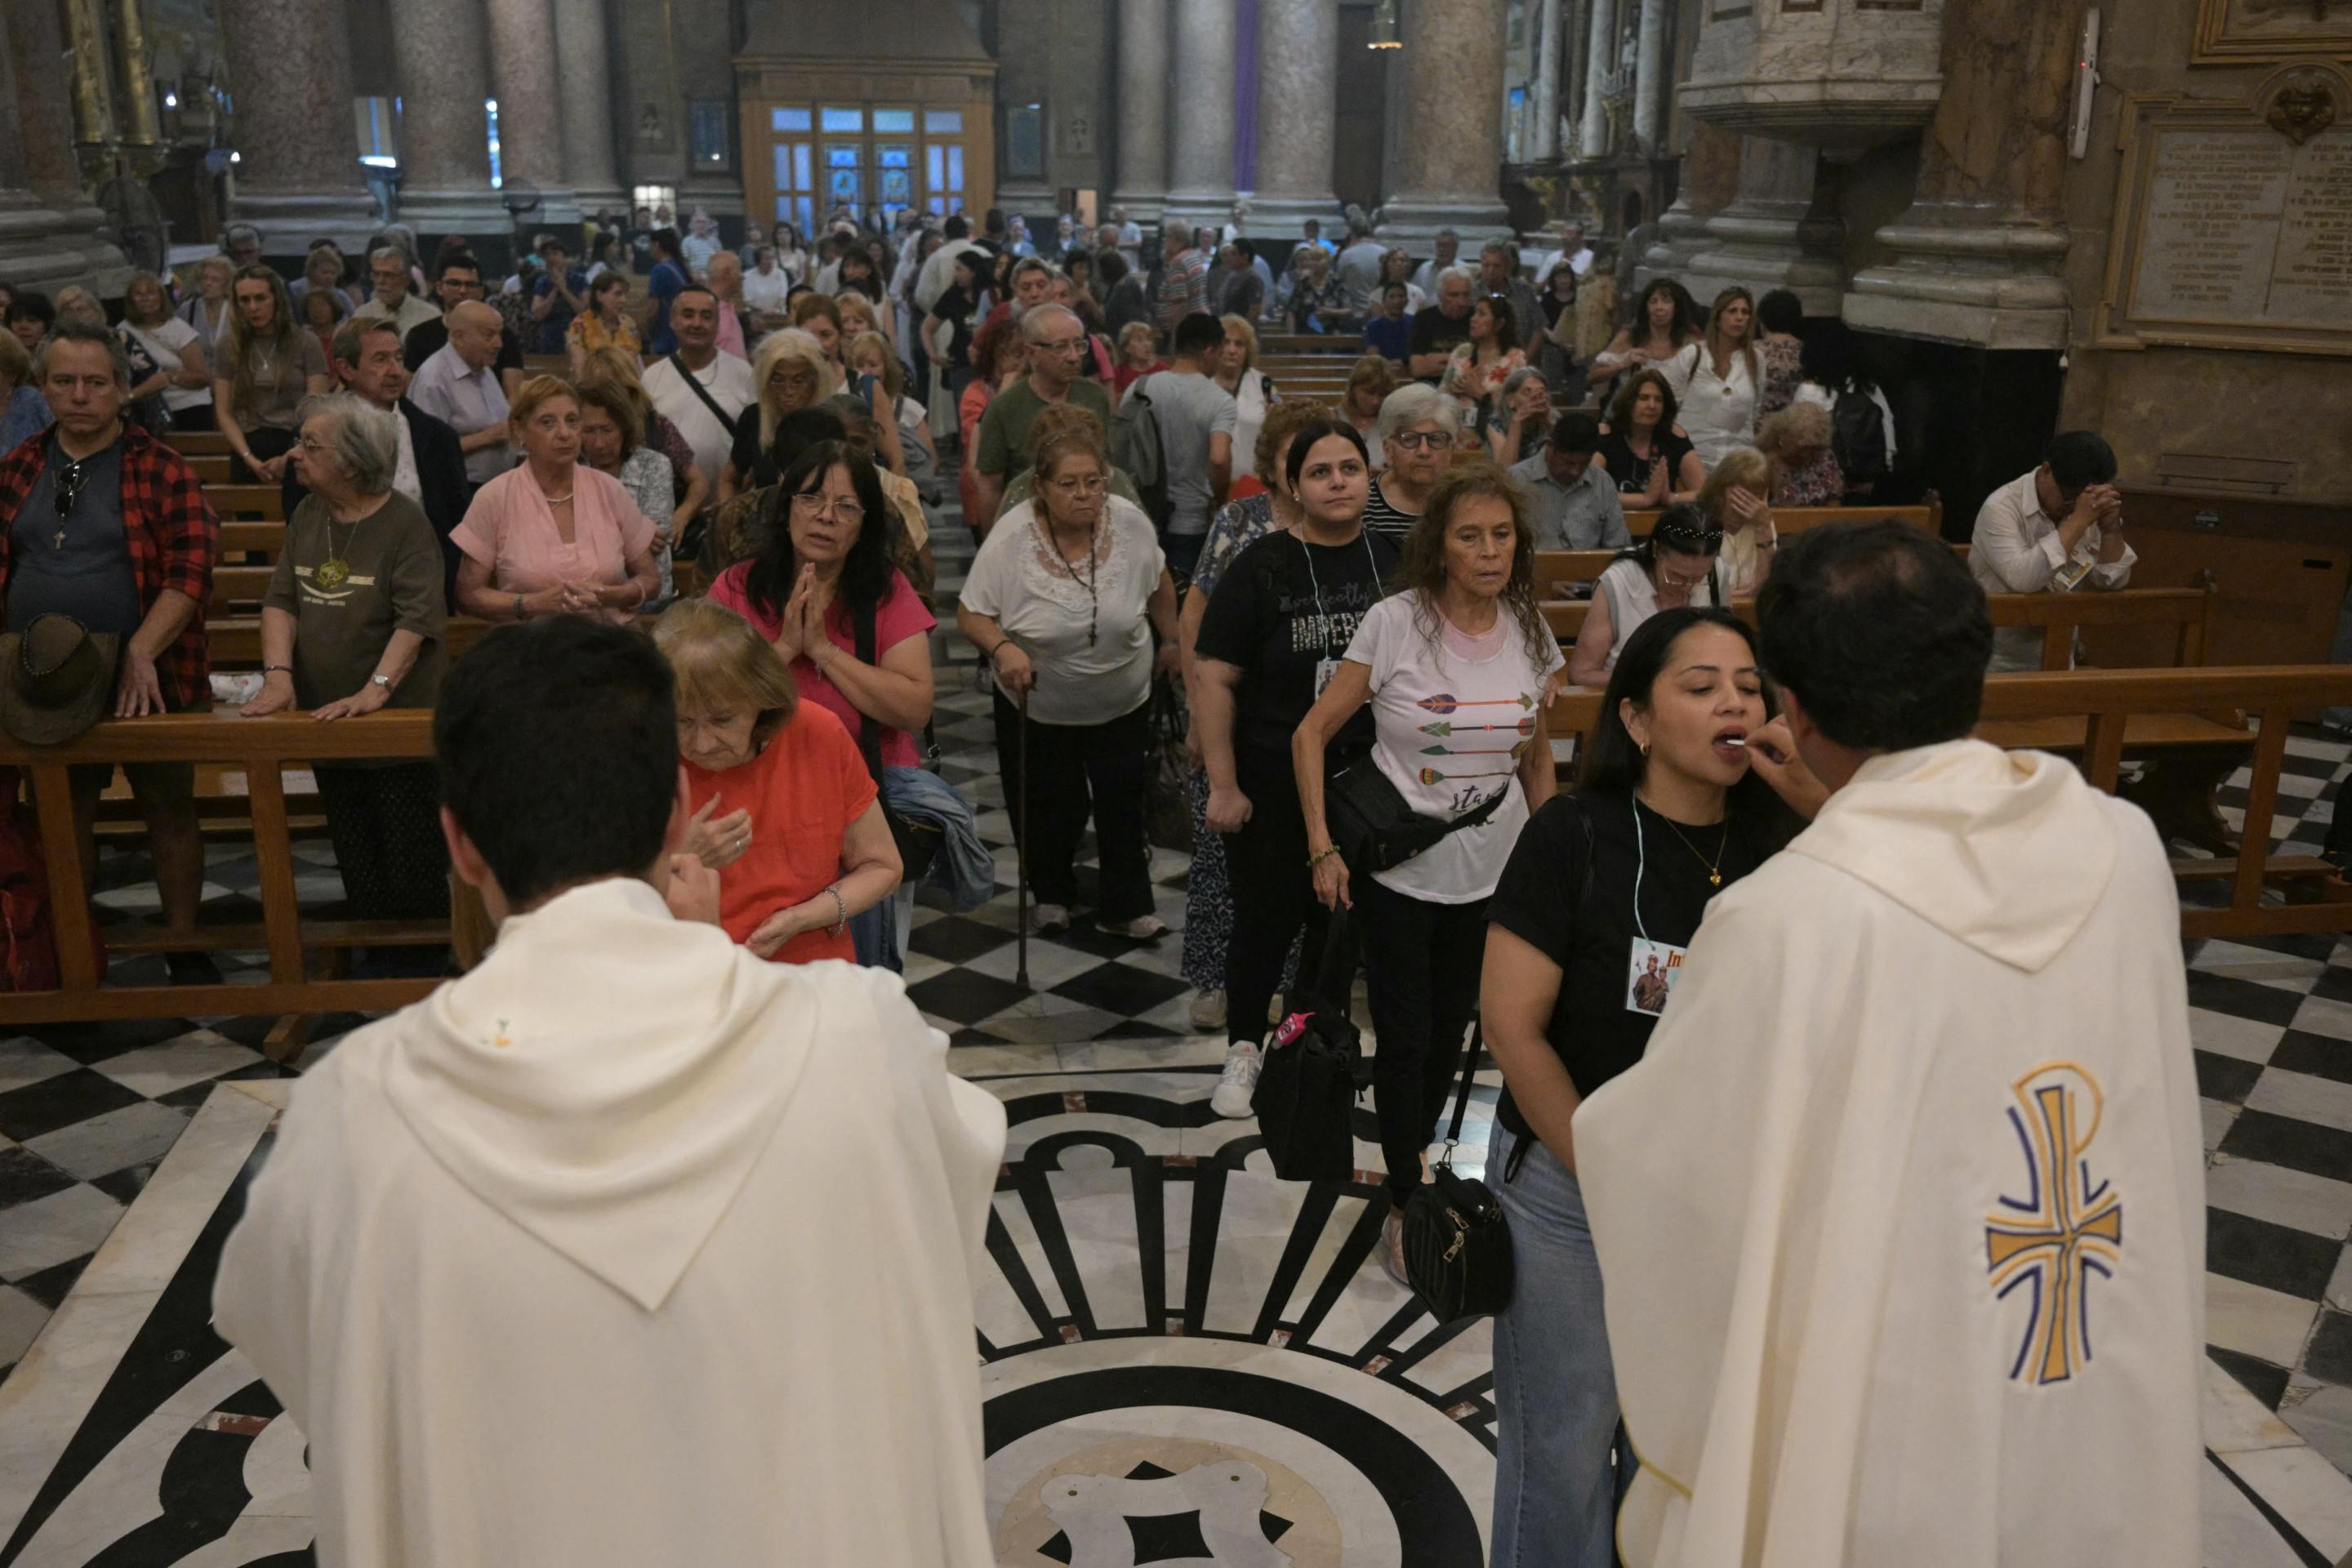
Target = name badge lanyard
(1325,666)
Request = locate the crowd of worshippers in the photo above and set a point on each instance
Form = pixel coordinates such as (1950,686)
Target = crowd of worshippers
(1328,587)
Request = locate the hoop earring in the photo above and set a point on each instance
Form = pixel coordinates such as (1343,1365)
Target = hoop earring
(1646,750)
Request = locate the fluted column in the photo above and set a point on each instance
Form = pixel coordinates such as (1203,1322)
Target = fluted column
(531,114)
(441,48)
(585,67)
(1977,255)
(1298,113)
(1201,167)
(1449,161)
(298,175)
(1650,67)
(1543,143)
(1142,109)
(1599,57)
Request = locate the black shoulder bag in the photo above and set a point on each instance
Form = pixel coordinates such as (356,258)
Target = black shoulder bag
(1306,1097)
(1457,1250)
(1374,828)
(918,842)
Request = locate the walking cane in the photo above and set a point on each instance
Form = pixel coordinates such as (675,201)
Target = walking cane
(1020,853)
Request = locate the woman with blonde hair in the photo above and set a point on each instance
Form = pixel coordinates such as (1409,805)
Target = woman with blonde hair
(207,307)
(1738,499)
(1719,380)
(784,810)
(792,371)
(870,354)
(819,316)
(859,318)
(267,366)
(1138,354)
(1235,370)
(176,348)
(552,535)
(1801,443)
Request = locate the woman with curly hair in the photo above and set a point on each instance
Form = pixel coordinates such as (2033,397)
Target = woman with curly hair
(1456,665)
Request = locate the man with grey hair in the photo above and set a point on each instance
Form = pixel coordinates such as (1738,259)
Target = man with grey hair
(1441,328)
(1448,246)
(393,302)
(241,243)
(459,386)
(1499,273)
(1032,285)
(104,524)
(1058,345)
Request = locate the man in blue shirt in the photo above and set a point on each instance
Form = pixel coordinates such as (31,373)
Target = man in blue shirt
(562,294)
(662,286)
(1390,333)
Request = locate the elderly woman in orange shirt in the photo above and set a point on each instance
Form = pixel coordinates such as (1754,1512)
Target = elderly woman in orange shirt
(784,809)
(554,536)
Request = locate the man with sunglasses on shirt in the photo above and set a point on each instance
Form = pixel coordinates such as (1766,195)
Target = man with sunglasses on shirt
(102,523)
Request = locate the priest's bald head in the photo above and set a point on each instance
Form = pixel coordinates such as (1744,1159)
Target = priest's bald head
(1878,639)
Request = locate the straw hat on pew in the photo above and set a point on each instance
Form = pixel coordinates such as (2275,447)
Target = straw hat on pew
(55,680)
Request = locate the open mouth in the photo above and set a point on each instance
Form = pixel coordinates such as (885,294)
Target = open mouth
(1731,744)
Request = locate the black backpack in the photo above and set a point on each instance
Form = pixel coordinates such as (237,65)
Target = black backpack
(1858,436)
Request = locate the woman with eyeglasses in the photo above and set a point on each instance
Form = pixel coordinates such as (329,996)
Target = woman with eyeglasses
(820,585)
(1420,426)
(1064,601)
(1675,566)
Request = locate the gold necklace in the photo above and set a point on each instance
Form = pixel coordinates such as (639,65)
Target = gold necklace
(335,570)
(1713,867)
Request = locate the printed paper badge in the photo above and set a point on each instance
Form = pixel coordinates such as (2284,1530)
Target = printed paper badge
(1650,978)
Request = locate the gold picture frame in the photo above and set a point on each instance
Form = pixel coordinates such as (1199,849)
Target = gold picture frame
(2266,32)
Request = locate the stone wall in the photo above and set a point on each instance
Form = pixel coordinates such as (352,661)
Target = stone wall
(2154,401)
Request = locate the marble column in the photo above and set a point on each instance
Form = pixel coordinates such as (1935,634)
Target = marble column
(1650,70)
(1599,54)
(1543,140)
(585,64)
(297,175)
(49,225)
(1297,110)
(1142,185)
(1576,23)
(1449,161)
(1200,163)
(1710,181)
(1975,258)
(441,52)
(531,114)
(1771,234)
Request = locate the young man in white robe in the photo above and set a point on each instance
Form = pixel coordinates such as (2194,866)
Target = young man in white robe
(628,1247)
(1901,1219)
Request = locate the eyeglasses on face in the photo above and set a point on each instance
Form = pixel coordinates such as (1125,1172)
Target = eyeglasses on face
(841,508)
(1415,440)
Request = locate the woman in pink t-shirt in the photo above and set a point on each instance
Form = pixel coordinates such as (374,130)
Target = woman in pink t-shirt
(809,586)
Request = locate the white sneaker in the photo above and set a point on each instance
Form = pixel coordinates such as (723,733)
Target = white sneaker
(1048,919)
(1232,1099)
(1208,1010)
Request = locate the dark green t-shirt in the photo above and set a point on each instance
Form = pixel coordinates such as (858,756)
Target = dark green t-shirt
(1004,428)
(391,581)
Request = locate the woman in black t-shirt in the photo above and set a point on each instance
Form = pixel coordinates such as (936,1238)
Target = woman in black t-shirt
(1680,795)
(1648,455)
(1276,628)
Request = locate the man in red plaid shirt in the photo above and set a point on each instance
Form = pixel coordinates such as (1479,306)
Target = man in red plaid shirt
(101,522)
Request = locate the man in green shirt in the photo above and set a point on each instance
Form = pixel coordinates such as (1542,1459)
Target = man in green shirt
(1057,346)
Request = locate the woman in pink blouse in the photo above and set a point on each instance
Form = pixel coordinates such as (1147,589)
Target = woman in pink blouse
(554,536)
(814,587)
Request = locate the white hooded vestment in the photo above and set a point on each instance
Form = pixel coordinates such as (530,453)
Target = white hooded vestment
(1901,1218)
(629,1247)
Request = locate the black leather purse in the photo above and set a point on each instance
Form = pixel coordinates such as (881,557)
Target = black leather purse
(1315,1067)
(1458,1248)
(1373,828)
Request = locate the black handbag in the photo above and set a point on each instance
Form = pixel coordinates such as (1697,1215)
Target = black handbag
(1458,1248)
(1168,801)
(1306,1097)
(919,842)
(1373,828)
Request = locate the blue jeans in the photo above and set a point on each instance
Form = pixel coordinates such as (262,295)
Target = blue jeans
(1556,1486)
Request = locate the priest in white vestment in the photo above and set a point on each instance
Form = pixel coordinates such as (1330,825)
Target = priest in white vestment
(1901,1219)
(628,1247)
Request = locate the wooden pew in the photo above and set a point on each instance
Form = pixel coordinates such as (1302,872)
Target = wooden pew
(1555,570)
(2187,612)
(197,443)
(2096,716)
(210,469)
(1928,517)
(260,749)
(235,640)
(265,503)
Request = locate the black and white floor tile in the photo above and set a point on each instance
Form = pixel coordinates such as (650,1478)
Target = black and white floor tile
(1160,1312)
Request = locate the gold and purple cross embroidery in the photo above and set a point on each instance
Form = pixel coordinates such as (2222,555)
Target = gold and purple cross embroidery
(2065,1230)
